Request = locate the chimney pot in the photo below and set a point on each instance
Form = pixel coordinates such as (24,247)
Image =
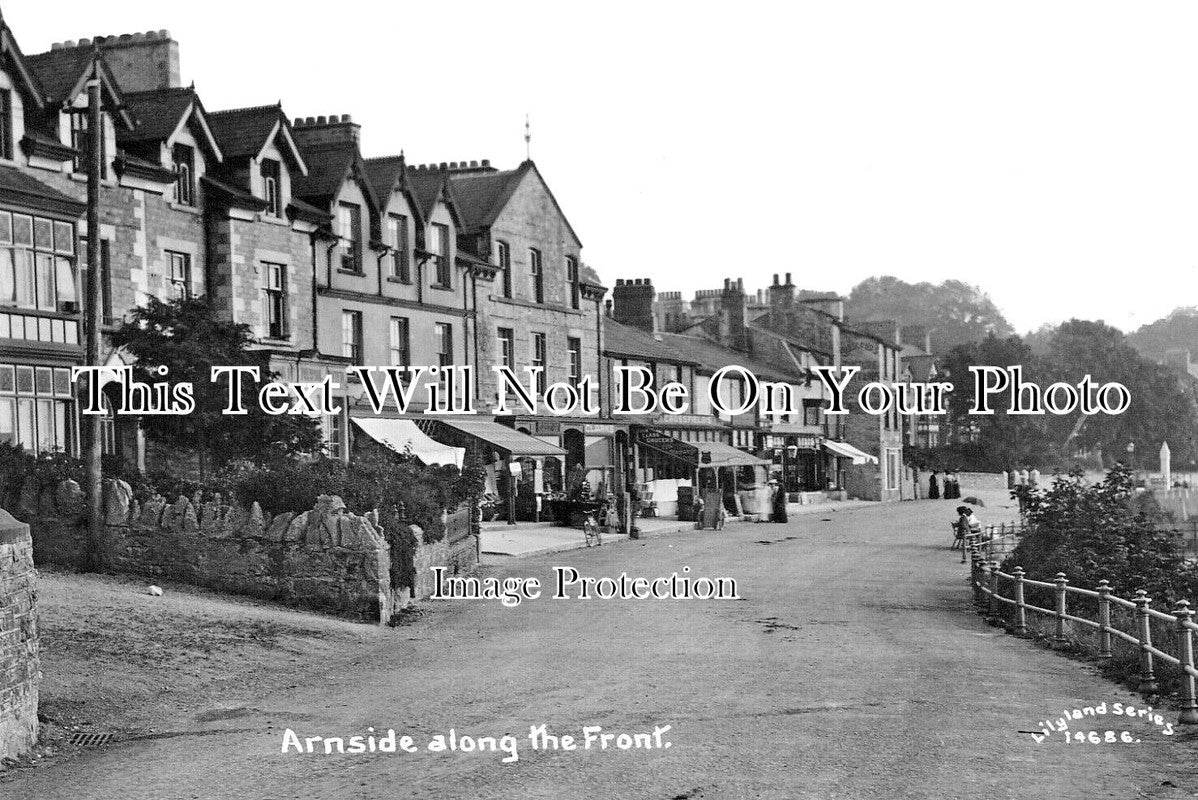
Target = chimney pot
(321,120)
(486,162)
(475,164)
(138,37)
(776,279)
(125,38)
(444,165)
(56,46)
(346,118)
(164,34)
(87,42)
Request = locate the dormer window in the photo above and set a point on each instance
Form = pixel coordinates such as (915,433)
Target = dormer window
(6,132)
(80,142)
(271,187)
(185,189)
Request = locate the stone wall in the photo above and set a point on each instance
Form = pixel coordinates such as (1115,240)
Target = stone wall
(326,559)
(981,481)
(19,671)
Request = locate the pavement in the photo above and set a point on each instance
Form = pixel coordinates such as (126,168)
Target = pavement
(501,541)
(852,666)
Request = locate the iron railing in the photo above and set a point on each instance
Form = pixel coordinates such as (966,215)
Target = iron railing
(989,583)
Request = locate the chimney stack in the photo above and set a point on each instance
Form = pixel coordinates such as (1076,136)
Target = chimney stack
(335,128)
(139,61)
(734,323)
(634,303)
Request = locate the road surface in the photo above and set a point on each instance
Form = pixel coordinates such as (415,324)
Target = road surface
(852,667)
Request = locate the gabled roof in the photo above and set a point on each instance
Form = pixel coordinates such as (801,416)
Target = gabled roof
(921,367)
(329,166)
(158,113)
(628,340)
(245,132)
(429,186)
(387,175)
(63,75)
(711,356)
(12,54)
(482,196)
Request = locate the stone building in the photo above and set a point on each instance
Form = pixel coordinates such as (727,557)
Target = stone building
(543,309)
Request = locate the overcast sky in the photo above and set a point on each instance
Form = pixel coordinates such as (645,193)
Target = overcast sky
(1045,151)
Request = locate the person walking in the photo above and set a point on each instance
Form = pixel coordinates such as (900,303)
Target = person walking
(933,487)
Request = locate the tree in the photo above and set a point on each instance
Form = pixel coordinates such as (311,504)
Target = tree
(1178,331)
(185,336)
(1162,408)
(956,312)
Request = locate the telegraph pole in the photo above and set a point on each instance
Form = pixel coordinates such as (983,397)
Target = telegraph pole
(92,314)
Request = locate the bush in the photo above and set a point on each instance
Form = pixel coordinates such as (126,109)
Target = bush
(1104,531)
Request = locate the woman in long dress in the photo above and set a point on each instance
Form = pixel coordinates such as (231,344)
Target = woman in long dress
(933,487)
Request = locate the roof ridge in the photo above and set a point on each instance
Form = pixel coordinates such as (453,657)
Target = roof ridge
(271,107)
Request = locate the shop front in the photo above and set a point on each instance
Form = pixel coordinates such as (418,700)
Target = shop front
(515,463)
(678,478)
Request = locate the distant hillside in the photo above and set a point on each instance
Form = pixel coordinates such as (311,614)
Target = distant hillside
(1179,330)
(956,312)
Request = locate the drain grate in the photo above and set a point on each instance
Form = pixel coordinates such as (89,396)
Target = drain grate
(90,739)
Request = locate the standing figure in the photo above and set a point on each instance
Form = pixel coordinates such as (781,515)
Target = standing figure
(952,489)
(933,487)
(780,504)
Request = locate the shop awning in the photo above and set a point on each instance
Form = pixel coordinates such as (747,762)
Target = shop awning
(698,454)
(402,436)
(845,450)
(718,454)
(502,437)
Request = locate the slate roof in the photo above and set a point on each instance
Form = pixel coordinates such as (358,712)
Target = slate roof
(481,196)
(58,71)
(383,174)
(426,186)
(24,190)
(711,357)
(628,340)
(243,132)
(328,164)
(157,113)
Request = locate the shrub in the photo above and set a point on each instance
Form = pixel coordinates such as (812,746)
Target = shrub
(1104,531)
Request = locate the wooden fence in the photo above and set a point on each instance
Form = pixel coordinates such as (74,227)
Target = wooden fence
(996,591)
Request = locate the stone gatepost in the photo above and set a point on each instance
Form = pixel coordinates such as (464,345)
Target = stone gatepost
(19,665)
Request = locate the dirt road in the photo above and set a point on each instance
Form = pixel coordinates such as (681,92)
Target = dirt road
(852,667)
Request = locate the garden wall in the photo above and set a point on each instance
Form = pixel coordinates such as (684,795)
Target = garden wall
(19,671)
(325,559)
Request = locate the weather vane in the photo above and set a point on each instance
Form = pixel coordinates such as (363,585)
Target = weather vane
(527,139)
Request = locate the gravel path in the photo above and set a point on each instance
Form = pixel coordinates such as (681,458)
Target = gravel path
(853,667)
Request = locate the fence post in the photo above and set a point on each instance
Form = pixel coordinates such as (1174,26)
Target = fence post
(1148,684)
(1104,619)
(975,573)
(1020,610)
(1062,585)
(1185,647)
(992,605)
